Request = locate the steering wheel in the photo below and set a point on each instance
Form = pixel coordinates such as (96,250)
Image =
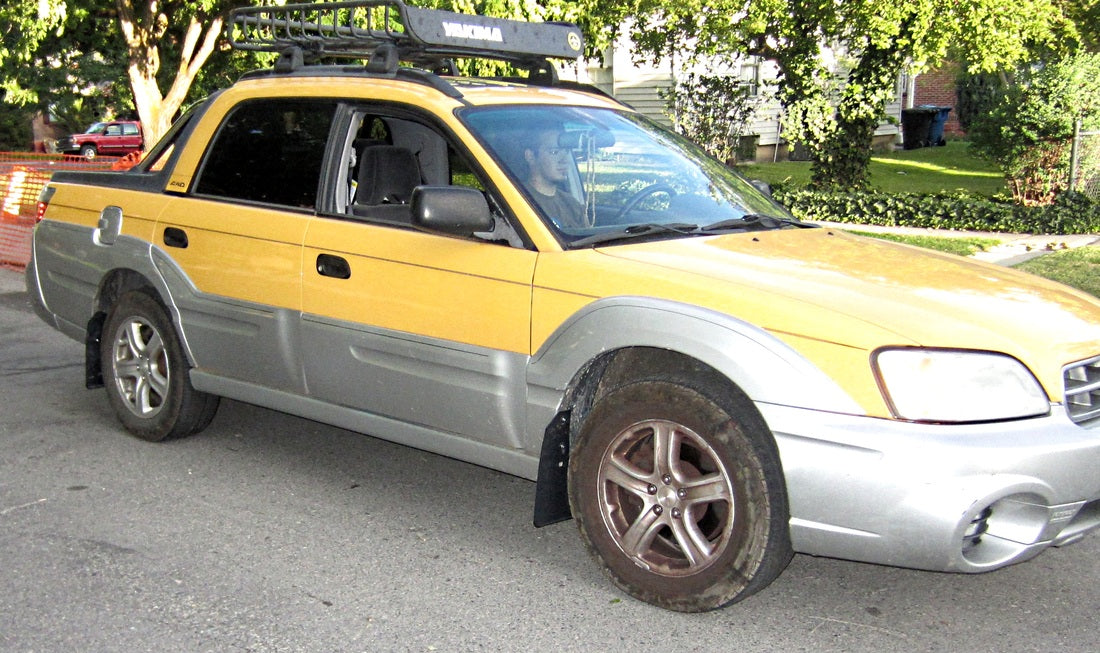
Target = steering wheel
(636,198)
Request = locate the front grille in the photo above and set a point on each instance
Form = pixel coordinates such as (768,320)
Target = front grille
(1083,390)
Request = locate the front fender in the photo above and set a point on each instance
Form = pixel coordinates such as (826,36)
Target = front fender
(764,367)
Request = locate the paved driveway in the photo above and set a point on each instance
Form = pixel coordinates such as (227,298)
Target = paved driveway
(272,533)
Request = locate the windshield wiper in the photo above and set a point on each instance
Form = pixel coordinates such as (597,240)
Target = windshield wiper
(747,222)
(752,222)
(637,231)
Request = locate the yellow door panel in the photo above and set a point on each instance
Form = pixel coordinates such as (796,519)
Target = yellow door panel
(242,252)
(452,289)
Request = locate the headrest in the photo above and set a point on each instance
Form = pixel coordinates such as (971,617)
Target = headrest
(387,175)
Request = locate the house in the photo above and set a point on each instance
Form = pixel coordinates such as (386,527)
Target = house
(936,87)
(640,85)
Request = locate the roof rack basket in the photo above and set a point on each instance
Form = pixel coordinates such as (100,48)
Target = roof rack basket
(385,31)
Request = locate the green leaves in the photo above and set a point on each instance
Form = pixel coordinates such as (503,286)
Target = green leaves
(839,61)
(23,25)
(713,111)
(1071,213)
(1028,126)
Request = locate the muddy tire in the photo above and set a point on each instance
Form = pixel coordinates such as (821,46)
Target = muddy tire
(680,500)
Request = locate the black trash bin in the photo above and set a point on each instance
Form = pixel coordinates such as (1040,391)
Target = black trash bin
(916,126)
(939,119)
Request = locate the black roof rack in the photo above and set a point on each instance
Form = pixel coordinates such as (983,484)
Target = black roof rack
(388,31)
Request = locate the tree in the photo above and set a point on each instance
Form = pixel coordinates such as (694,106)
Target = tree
(1085,15)
(714,111)
(1028,132)
(147,56)
(196,29)
(85,59)
(24,24)
(15,128)
(838,61)
(48,55)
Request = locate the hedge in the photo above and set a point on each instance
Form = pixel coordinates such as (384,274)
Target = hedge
(1071,213)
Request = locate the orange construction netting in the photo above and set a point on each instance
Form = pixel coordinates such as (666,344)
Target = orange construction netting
(22,177)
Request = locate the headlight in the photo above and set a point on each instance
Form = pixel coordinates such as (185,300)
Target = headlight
(931,385)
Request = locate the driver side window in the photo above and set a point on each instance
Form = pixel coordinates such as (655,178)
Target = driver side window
(387,155)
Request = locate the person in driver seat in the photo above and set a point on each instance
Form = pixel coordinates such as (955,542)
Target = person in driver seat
(548,169)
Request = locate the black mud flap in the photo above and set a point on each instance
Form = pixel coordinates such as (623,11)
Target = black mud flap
(552,487)
(93,370)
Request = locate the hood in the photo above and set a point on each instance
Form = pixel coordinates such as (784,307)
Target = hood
(801,282)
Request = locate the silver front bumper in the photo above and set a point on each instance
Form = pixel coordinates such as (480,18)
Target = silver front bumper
(966,498)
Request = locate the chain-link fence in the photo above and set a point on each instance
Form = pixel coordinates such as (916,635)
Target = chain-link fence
(1084,176)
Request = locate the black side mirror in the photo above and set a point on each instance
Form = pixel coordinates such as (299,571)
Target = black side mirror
(455,210)
(762,186)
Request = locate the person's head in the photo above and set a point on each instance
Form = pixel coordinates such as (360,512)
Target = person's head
(547,161)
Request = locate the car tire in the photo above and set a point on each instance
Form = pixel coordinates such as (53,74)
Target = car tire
(88,152)
(680,500)
(146,374)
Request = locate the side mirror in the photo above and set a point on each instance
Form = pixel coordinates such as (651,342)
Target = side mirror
(762,186)
(455,210)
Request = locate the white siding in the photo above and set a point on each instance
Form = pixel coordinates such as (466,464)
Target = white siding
(639,86)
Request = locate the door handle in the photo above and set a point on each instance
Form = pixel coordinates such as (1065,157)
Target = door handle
(174,237)
(333,266)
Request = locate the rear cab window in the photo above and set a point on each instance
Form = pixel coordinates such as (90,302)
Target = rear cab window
(270,151)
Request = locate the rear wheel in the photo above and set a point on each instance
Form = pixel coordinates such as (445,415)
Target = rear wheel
(146,374)
(680,500)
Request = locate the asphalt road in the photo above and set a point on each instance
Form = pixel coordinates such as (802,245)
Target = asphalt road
(271,533)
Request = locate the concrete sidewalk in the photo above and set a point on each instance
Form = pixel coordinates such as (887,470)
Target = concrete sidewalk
(1014,248)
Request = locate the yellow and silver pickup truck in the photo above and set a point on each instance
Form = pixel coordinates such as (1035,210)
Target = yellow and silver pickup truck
(527,275)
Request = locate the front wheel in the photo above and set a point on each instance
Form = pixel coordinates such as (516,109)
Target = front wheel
(146,374)
(682,502)
(88,152)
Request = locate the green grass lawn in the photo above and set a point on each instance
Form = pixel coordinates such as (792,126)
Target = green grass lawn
(939,169)
(963,245)
(1079,268)
(924,170)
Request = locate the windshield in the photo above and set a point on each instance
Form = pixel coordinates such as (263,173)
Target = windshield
(96,128)
(597,175)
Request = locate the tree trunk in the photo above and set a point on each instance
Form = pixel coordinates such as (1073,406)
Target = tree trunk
(844,160)
(143,35)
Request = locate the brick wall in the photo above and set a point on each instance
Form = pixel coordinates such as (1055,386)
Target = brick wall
(938,87)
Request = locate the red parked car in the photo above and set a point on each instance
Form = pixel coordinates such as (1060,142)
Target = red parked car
(113,138)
